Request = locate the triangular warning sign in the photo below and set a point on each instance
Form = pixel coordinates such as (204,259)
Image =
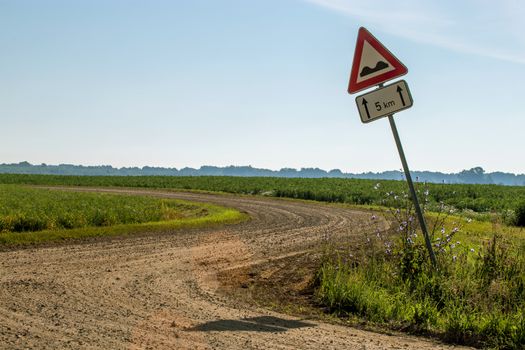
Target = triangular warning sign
(373,63)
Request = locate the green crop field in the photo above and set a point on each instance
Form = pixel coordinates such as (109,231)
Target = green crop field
(28,209)
(476,198)
(31,215)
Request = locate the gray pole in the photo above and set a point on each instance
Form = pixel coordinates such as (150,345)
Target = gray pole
(419,213)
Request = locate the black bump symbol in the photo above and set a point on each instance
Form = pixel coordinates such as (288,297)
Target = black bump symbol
(367,70)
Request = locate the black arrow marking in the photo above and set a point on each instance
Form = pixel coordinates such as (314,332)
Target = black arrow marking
(400,94)
(365,103)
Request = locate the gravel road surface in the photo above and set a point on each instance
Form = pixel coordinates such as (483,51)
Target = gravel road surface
(162,291)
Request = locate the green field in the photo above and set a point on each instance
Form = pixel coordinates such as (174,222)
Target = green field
(475,198)
(31,215)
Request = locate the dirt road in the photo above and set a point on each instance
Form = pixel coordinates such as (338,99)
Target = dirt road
(161,291)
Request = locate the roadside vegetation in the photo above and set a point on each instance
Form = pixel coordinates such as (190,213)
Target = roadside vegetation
(31,215)
(475,296)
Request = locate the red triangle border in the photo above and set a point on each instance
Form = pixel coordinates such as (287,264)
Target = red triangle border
(399,68)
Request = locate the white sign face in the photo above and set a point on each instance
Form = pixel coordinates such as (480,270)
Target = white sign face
(384,101)
(372,63)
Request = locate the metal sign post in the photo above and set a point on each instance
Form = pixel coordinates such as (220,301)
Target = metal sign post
(419,212)
(373,65)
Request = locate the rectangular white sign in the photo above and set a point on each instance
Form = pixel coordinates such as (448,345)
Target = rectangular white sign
(384,101)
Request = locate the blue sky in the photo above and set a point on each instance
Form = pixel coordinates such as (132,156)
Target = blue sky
(258,82)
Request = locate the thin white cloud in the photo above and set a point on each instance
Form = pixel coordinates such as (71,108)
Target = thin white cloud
(470,26)
(381,11)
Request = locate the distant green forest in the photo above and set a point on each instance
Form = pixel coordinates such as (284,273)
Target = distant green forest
(472,176)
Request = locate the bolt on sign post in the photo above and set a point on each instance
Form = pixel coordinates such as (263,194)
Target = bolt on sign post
(374,65)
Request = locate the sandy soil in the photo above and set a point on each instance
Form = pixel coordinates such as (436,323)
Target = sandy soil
(164,291)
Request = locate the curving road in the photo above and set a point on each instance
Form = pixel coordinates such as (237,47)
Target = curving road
(160,291)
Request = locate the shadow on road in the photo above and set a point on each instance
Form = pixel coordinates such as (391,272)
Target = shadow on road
(253,324)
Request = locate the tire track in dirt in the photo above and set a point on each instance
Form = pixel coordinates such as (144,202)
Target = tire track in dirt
(160,291)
